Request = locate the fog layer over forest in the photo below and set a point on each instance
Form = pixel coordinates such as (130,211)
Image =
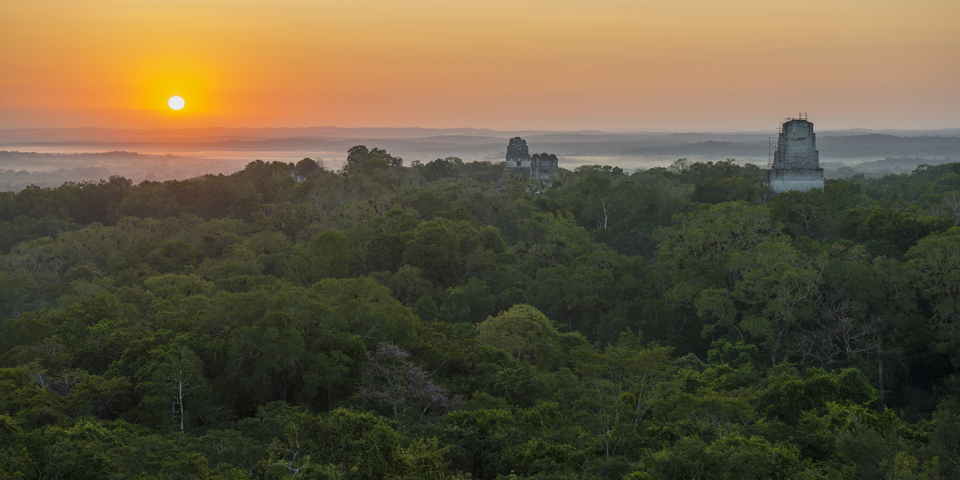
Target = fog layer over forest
(50,157)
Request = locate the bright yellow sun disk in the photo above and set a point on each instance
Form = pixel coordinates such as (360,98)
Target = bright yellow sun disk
(176,103)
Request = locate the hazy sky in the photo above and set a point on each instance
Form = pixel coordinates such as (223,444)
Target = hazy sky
(518,64)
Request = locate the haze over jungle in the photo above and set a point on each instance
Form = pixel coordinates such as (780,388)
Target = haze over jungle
(48,157)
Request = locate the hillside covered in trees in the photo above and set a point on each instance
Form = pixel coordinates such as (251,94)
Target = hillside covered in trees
(425,321)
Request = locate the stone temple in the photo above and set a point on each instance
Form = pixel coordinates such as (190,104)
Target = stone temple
(520,164)
(796,163)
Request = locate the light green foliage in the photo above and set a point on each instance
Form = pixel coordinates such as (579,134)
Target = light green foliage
(945,442)
(780,288)
(14,457)
(425,460)
(937,261)
(85,450)
(904,466)
(525,333)
(27,402)
(787,397)
(729,457)
(702,256)
(549,240)
(712,414)
(364,308)
(539,456)
(624,381)
(360,445)
(737,354)
(713,234)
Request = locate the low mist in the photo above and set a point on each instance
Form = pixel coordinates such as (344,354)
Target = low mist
(50,157)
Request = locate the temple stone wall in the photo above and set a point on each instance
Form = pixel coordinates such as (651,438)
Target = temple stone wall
(543,165)
(793,179)
(518,157)
(796,163)
(519,162)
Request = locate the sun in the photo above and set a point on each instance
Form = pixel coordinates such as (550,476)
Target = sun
(176,103)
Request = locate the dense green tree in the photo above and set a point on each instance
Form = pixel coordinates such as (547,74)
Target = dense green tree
(173,382)
(624,382)
(525,333)
(325,257)
(937,259)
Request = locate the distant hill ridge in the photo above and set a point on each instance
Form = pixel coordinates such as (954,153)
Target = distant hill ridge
(734,145)
(17,136)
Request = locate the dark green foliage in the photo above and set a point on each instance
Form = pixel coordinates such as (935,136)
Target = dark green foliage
(675,322)
(327,256)
(360,160)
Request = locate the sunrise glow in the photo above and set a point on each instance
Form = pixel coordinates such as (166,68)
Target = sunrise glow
(609,64)
(176,103)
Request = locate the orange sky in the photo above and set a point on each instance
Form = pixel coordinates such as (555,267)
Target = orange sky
(519,64)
